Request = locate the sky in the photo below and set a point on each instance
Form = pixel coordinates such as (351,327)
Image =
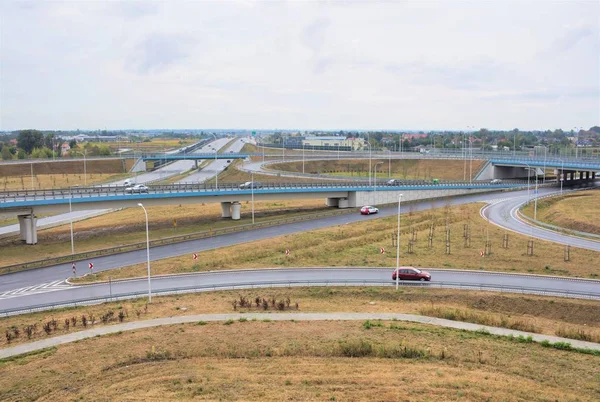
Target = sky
(330,65)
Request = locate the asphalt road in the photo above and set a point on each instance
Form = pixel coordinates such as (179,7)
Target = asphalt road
(218,165)
(315,275)
(63,271)
(504,214)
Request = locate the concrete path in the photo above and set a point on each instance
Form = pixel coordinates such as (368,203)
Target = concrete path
(109,329)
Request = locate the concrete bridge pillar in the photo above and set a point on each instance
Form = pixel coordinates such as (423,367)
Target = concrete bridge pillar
(236,209)
(28,228)
(593,175)
(196,164)
(225,210)
(332,202)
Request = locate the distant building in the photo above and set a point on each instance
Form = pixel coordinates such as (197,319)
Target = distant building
(335,142)
(411,137)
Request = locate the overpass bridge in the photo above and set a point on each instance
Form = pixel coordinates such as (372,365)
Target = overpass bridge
(565,169)
(26,204)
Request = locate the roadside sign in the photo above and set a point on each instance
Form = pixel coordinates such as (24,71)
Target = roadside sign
(482,253)
(91,266)
(287,251)
(74,269)
(195,256)
(382,250)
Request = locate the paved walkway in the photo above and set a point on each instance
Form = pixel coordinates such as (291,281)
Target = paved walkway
(109,329)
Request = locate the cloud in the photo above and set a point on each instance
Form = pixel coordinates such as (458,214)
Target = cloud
(547,94)
(313,36)
(572,36)
(158,51)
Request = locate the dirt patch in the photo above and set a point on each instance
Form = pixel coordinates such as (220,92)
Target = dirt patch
(63,167)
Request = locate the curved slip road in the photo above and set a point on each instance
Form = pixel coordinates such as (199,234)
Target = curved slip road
(504,214)
(111,329)
(62,271)
(208,281)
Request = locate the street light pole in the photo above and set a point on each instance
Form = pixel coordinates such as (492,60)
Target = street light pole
(252,187)
(562,175)
(147,253)
(84,168)
(375,181)
(71,219)
(528,175)
(398,244)
(303,144)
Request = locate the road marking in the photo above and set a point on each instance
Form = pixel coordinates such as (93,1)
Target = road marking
(36,289)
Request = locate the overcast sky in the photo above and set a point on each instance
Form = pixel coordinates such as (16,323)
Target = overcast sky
(305,65)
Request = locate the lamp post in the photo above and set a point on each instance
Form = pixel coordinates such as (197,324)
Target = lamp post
(84,168)
(528,175)
(562,175)
(536,197)
(369,162)
(216,168)
(375,181)
(390,164)
(147,253)
(252,187)
(71,219)
(303,144)
(398,244)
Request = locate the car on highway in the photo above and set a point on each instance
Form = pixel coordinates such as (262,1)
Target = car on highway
(368,210)
(393,182)
(496,181)
(250,184)
(138,188)
(128,182)
(411,273)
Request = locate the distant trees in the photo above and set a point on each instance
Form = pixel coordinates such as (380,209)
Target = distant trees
(30,139)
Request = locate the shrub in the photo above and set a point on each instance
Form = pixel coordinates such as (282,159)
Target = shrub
(29,331)
(228,322)
(84,321)
(74,321)
(121,316)
(356,348)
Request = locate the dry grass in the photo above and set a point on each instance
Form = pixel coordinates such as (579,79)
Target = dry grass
(577,319)
(400,169)
(128,226)
(358,244)
(234,175)
(300,361)
(57,180)
(62,167)
(572,211)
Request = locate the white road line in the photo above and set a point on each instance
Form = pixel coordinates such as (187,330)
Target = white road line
(36,289)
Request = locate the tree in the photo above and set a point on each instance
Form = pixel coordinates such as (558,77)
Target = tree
(21,154)
(6,155)
(72,144)
(30,139)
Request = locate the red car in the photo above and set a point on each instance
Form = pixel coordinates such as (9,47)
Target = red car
(368,210)
(411,273)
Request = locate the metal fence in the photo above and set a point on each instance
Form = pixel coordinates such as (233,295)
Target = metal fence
(298,283)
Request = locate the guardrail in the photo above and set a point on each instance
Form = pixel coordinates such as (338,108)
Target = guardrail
(167,240)
(279,284)
(555,228)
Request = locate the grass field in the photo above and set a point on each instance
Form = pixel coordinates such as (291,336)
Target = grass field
(68,167)
(233,175)
(578,211)
(399,169)
(44,181)
(358,244)
(128,226)
(578,319)
(155,145)
(331,360)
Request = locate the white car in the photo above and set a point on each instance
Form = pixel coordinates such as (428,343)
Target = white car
(495,181)
(368,210)
(138,188)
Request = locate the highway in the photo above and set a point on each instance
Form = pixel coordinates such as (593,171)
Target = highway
(302,277)
(159,174)
(63,271)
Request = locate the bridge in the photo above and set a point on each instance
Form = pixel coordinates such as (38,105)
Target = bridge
(565,169)
(25,204)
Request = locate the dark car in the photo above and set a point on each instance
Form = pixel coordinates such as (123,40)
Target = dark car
(392,182)
(411,273)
